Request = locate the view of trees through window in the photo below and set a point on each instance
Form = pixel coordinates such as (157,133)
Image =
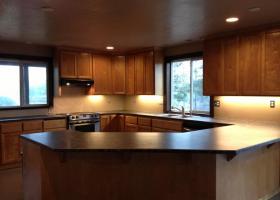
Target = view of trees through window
(23,84)
(187,86)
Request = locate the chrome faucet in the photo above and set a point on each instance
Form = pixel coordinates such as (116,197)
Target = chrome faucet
(182,110)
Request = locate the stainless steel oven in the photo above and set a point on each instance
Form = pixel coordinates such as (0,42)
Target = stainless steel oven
(84,122)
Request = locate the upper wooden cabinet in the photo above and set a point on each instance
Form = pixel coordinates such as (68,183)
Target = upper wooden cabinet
(213,67)
(139,73)
(149,74)
(102,74)
(246,64)
(144,73)
(250,63)
(118,74)
(271,68)
(75,65)
(130,75)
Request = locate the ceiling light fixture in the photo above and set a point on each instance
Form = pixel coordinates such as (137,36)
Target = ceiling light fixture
(232,19)
(110,48)
(47,9)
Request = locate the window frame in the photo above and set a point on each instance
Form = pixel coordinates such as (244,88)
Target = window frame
(30,60)
(167,82)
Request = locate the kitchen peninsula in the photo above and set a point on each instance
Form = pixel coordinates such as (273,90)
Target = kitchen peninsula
(217,163)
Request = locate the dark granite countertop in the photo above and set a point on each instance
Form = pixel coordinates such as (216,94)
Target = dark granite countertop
(31,117)
(232,139)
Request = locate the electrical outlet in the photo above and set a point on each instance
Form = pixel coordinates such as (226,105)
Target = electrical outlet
(217,103)
(272,104)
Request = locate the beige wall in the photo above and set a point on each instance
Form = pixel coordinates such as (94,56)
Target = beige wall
(144,103)
(248,109)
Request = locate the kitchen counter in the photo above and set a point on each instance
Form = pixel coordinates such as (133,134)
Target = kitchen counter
(232,139)
(31,117)
(222,163)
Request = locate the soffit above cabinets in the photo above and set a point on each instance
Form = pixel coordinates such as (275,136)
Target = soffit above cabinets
(126,24)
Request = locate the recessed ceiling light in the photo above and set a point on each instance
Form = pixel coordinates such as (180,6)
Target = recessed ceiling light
(232,19)
(110,48)
(47,9)
(254,9)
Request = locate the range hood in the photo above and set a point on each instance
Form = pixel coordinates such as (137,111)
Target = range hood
(76,82)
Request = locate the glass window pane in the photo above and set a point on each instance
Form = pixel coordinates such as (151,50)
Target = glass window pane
(200,103)
(180,84)
(10,85)
(37,78)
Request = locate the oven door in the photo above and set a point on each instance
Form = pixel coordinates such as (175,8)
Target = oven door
(86,127)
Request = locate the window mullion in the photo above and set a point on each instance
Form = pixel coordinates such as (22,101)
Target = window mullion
(191,86)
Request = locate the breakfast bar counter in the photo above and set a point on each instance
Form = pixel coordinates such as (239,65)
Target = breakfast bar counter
(224,163)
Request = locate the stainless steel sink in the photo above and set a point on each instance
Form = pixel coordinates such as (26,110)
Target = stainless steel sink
(174,115)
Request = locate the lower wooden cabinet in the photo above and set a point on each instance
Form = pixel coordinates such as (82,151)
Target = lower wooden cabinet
(144,128)
(170,125)
(111,123)
(55,125)
(131,127)
(10,148)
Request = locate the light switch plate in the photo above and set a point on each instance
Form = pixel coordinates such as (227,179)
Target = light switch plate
(217,103)
(272,104)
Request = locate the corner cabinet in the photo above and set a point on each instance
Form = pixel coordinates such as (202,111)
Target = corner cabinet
(75,65)
(246,64)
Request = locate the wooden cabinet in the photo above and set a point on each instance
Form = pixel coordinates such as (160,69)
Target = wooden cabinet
(144,73)
(145,121)
(271,68)
(149,74)
(230,66)
(144,128)
(213,67)
(245,64)
(84,65)
(75,65)
(67,64)
(10,142)
(111,123)
(168,125)
(130,75)
(55,125)
(139,74)
(102,74)
(118,74)
(131,127)
(32,126)
(250,63)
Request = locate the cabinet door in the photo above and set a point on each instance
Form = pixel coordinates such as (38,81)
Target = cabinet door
(213,68)
(271,68)
(144,128)
(105,123)
(149,74)
(68,64)
(139,73)
(10,147)
(102,74)
(118,74)
(32,126)
(230,66)
(54,124)
(84,65)
(250,63)
(130,75)
(131,127)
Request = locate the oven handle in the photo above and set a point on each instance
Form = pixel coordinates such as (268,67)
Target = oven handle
(84,124)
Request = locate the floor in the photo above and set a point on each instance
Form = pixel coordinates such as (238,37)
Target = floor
(11,185)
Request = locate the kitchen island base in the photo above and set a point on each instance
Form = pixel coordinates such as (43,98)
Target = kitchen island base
(149,175)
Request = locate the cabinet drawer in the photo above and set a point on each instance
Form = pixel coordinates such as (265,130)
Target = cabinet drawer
(53,124)
(144,128)
(131,119)
(167,124)
(11,127)
(131,127)
(36,125)
(154,129)
(145,121)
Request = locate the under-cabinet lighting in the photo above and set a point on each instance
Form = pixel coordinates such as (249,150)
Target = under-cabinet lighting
(68,84)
